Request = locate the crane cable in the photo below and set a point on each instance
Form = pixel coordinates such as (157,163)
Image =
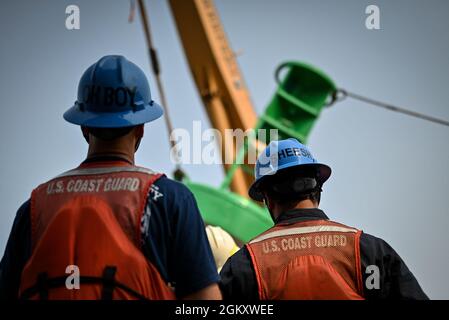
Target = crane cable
(341,94)
(178,173)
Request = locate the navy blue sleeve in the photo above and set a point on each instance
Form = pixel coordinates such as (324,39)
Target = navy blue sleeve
(238,279)
(396,280)
(17,252)
(175,239)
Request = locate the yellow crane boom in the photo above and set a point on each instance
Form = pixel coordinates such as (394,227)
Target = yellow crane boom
(216,74)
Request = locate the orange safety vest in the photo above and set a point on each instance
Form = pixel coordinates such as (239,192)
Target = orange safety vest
(317,259)
(90,217)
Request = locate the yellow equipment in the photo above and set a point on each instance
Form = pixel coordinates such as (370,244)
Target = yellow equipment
(222,244)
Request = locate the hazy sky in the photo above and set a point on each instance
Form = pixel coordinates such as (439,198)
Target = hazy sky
(390,172)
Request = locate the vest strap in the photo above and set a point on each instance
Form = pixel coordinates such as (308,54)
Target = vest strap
(108,281)
(42,285)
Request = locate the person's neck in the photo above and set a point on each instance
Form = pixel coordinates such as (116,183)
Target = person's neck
(95,152)
(304,204)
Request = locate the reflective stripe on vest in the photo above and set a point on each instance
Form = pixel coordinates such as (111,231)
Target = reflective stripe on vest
(302,230)
(308,260)
(90,217)
(124,188)
(103,170)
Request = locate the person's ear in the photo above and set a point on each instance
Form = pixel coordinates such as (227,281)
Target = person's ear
(269,205)
(267,201)
(138,131)
(318,200)
(85,132)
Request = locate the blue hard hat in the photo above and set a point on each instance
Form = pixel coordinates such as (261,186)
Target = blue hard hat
(283,155)
(113,93)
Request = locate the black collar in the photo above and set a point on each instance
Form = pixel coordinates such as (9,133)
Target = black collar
(299,215)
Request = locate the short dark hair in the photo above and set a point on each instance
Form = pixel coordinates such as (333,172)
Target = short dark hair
(109,134)
(313,195)
(289,178)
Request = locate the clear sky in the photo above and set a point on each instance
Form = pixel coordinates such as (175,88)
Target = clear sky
(390,172)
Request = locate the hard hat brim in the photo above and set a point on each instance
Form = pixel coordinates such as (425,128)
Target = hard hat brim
(323,173)
(148,113)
